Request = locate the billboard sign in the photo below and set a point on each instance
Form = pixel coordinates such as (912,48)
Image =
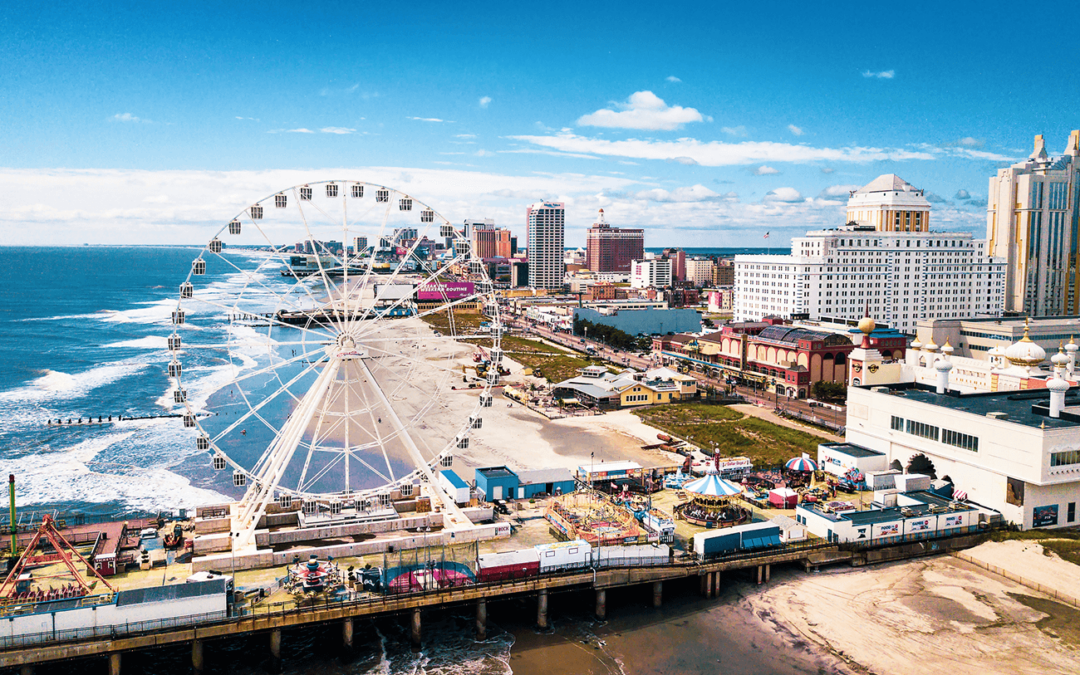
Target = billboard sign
(445,291)
(1044,516)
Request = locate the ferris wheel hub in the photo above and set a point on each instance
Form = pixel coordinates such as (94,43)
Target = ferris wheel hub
(345,348)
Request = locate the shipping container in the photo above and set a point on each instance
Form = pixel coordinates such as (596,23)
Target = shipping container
(508,565)
(707,544)
(633,555)
(564,555)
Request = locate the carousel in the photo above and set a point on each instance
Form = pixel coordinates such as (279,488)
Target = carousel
(314,577)
(712,500)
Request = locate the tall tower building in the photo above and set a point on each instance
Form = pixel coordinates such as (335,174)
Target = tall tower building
(546,222)
(1031,220)
(612,249)
(490,242)
(889,204)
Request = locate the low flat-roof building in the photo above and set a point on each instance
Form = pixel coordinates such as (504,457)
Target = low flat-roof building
(596,386)
(917,515)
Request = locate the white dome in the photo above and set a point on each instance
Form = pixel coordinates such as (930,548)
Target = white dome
(995,351)
(930,346)
(948,348)
(1072,346)
(1057,384)
(916,344)
(942,366)
(1060,359)
(1025,352)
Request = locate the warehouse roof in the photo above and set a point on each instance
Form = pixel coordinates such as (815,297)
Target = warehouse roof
(195,589)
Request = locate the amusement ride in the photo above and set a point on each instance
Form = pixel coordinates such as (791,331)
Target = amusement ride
(342,327)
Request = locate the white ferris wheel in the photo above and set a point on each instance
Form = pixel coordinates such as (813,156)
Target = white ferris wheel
(349,381)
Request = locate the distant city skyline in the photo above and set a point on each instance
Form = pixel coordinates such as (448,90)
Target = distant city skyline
(706,126)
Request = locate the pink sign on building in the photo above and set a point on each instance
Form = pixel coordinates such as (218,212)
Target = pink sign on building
(445,291)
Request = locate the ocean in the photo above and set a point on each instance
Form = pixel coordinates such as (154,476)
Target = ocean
(84,335)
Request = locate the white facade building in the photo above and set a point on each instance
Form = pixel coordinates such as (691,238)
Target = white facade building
(546,222)
(654,273)
(1032,220)
(699,271)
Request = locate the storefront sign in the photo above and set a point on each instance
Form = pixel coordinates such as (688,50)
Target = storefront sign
(890,530)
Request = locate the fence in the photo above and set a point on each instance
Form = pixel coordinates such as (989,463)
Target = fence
(1046,590)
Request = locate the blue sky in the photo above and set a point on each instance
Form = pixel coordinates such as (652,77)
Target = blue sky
(707,123)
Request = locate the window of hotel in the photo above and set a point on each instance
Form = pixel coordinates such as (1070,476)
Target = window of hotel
(960,440)
(897,423)
(922,430)
(1065,458)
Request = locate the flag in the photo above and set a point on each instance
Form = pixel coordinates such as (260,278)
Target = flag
(766,235)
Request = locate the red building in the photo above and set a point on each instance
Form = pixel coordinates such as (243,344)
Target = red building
(781,358)
(612,249)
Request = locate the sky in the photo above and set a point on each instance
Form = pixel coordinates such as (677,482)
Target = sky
(707,124)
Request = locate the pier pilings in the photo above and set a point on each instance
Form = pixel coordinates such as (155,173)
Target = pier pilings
(347,633)
(197,662)
(657,593)
(114,663)
(601,604)
(415,635)
(275,651)
(481,619)
(542,609)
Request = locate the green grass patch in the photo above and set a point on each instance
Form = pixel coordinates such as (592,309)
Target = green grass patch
(1065,543)
(732,433)
(512,344)
(464,322)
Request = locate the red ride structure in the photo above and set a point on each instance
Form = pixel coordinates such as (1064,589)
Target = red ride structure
(19,589)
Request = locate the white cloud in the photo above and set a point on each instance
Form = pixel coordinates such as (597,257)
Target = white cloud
(464,135)
(838,191)
(537,151)
(688,161)
(784,194)
(970,142)
(965,152)
(827,169)
(485,101)
(426,119)
(126,117)
(301,130)
(717,153)
(643,110)
(672,78)
(695,193)
(764,171)
(739,131)
(337,130)
(484,153)
(881,75)
(962,194)
(797,131)
(249,119)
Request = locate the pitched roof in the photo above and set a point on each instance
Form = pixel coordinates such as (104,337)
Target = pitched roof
(888,182)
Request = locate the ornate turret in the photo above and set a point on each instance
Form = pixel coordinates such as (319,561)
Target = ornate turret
(1025,353)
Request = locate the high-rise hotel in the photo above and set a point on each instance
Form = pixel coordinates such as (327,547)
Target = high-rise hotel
(1032,221)
(885,260)
(546,221)
(612,249)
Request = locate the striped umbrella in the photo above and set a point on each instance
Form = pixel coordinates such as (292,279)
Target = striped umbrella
(801,464)
(712,487)
(959,495)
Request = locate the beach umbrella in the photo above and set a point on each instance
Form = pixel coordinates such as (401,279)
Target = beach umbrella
(801,464)
(959,495)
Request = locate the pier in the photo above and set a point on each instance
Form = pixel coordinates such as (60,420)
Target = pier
(270,620)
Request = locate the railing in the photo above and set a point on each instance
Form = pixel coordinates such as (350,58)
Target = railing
(354,599)
(113,631)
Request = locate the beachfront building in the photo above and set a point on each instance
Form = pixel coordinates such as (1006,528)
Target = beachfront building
(546,222)
(596,386)
(652,273)
(913,516)
(901,275)
(501,482)
(889,204)
(780,358)
(1033,222)
(612,249)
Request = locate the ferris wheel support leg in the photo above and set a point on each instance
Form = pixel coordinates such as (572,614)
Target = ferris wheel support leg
(456,517)
(261,491)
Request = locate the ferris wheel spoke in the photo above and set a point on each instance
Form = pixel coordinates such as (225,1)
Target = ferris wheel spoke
(376,426)
(431,364)
(278,253)
(433,277)
(255,409)
(411,253)
(371,260)
(314,245)
(252,278)
(275,321)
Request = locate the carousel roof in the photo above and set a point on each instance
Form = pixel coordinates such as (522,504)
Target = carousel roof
(712,485)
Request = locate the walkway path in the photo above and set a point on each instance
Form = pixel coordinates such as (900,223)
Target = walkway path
(769,416)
